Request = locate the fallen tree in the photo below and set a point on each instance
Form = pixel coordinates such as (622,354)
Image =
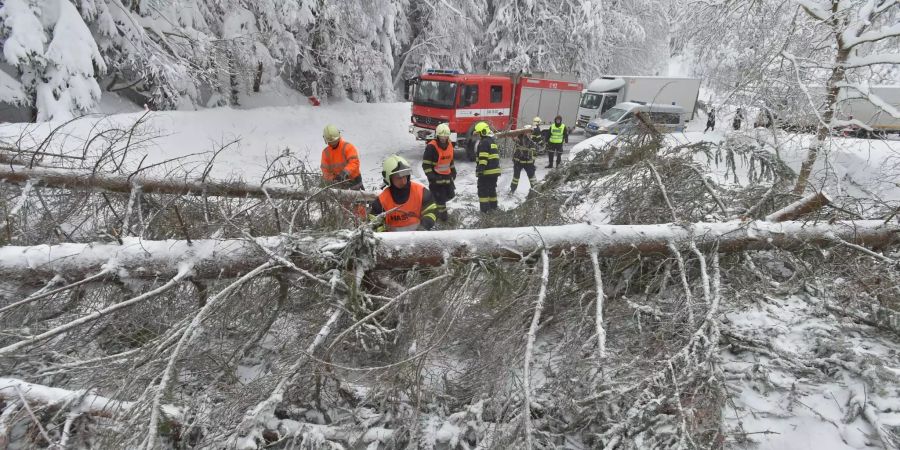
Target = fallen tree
(210,258)
(89,181)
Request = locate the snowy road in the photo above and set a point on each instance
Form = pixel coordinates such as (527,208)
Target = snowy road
(259,135)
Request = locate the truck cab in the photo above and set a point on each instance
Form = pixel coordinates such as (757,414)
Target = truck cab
(461,100)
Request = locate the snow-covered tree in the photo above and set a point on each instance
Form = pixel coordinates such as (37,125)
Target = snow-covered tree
(24,40)
(859,31)
(56,56)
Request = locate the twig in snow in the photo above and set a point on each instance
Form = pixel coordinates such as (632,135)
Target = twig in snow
(185,339)
(662,188)
(529,348)
(598,317)
(182,273)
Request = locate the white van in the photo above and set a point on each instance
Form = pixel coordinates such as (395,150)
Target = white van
(665,118)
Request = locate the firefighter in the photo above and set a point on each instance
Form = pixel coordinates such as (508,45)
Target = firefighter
(559,134)
(488,169)
(437,163)
(523,157)
(340,161)
(404,205)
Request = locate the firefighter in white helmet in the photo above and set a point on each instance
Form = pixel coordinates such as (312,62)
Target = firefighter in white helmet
(437,163)
(404,205)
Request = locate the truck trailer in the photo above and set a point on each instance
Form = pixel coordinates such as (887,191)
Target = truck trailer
(608,91)
(503,100)
(794,111)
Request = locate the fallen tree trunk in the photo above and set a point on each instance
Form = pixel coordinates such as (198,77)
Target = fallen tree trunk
(805,205)
(210,258)
(84,180)
(513,133)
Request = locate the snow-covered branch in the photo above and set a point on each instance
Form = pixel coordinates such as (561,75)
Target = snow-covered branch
(84,402)
(84,180)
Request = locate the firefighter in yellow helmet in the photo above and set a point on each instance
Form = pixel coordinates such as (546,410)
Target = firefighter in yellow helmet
(340,161)
(488,168)
(404,205)
(523,157)
(437,163)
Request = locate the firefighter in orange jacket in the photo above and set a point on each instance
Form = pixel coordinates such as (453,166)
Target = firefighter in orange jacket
(404,205)
(437,163)
(340,161)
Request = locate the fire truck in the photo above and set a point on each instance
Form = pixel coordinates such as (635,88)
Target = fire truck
(503,100)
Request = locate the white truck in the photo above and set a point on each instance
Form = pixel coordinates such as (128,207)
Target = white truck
(795,111)
(605,92)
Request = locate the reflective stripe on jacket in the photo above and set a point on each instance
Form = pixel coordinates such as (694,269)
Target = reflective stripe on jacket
(488,157)
(337,159)
(556,133)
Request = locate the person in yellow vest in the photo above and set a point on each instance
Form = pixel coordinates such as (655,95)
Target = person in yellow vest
(523,157)
(559,134)
(340,161)
(437,163)
(488,168)
(404,205)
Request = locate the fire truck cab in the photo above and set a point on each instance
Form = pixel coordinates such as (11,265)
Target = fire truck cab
(503,100)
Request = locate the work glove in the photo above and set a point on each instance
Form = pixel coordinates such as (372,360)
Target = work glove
(343,176)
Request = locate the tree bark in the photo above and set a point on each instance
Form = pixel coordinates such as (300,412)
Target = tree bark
(210,258)
(805,205)
(831,94)
(84,180)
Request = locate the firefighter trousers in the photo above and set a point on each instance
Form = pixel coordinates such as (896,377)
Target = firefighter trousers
(487,192)
(554,150)
(517,170)
(442,193)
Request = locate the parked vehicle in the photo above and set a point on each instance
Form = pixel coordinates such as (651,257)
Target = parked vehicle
(503,100)
(665,118)
(796,114)
(603,93)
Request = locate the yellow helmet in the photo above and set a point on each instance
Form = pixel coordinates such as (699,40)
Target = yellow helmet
(331,134)
(482,128)
(442,130)
(394,165)
(536,121)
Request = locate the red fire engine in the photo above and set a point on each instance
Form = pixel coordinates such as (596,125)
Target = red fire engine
(504,100)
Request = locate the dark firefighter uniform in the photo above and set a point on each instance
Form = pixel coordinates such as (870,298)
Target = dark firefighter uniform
(523,157)
(488,171)
(437,163)
(407,208)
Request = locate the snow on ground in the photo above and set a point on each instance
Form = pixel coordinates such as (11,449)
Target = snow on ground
(264,133)
(775,404)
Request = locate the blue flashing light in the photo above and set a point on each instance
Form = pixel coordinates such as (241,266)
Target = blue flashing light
(444,71)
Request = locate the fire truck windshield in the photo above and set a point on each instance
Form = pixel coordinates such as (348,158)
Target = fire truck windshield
(439,94)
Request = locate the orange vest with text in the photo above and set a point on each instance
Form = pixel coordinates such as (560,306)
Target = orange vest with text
(404,216)
(445,157)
